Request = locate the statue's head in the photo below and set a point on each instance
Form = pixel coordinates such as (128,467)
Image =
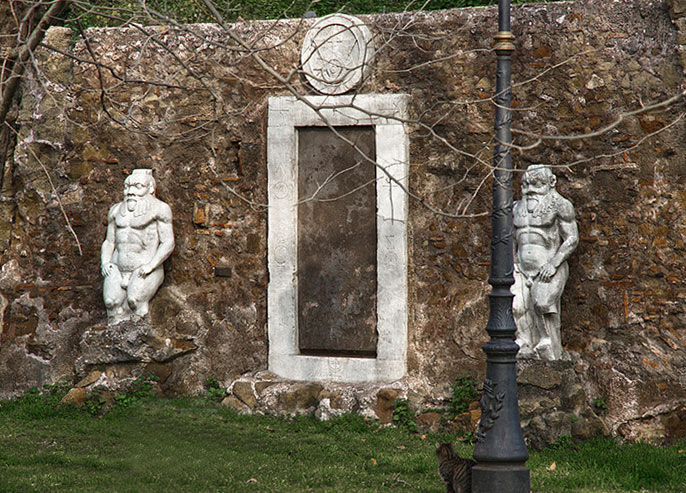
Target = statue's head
(138,185)
(538,180)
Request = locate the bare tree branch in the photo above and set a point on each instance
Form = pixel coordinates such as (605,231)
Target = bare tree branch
(466,162)
(12,83)
(603,130)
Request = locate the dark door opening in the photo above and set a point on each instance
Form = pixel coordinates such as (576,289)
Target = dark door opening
(337,240)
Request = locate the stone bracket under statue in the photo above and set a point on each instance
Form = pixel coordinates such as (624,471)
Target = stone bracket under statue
(129,342)
(546,234)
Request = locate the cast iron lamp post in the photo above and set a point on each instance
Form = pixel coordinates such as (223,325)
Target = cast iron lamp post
(500,451)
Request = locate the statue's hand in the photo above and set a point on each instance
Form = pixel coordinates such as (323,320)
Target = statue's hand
(144,270)
(547,272)
(106,269)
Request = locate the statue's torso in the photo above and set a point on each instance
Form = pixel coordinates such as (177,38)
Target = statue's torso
(536,233)
(136,239)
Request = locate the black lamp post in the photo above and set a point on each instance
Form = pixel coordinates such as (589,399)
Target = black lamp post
(500,451)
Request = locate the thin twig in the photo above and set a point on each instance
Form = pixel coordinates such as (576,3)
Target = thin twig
(603,130)
(622,151)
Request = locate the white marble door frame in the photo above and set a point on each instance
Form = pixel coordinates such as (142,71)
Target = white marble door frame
(387,114)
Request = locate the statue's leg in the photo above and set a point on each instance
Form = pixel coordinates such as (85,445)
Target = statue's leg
(521,310)
(550,347)
(546,296)
(142,289)
(114,296)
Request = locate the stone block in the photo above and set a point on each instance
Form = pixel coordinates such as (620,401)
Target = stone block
(130,341)
(300,399)
(468,420)
(573,397)
(474,418)
(384,404)
(677,8)
(429,422)
(244,392)
(262,386)
(335,399)
(462,421)
(527,408)
(325,411)
(650,430)
(588,425)
(76,397)
(236,405)
(675,424)
(541,376)
(89,379)
(160,370)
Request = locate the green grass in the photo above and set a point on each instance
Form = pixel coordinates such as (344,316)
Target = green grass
(193,445)
(603,465)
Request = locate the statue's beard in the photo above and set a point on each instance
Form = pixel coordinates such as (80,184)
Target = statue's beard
(533,199)
(531,202)
(137,205)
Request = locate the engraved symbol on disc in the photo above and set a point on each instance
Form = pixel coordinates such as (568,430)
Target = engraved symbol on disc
(281,254)
(336,53)
(281,190)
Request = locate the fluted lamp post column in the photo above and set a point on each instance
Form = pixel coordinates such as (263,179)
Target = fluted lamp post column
(500,451)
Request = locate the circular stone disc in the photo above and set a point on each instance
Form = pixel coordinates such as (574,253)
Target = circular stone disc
(336,53)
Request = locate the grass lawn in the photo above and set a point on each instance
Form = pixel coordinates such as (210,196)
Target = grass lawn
(193,445)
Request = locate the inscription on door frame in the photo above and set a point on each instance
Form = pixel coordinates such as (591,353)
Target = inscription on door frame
(386,112)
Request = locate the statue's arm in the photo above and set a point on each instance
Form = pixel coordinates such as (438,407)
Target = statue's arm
(515,247)
(569,233)
(165,234)
(107,249)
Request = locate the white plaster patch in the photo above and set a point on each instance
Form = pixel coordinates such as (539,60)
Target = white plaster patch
(386,112)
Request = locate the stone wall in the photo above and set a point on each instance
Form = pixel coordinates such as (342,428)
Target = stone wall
(577,67)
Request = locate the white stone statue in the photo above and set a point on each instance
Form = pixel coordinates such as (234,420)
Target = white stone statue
(546,234)
(139,239)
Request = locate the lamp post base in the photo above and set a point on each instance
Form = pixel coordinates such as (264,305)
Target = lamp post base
(494,478)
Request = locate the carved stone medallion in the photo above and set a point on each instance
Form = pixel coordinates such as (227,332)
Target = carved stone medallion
(336,53)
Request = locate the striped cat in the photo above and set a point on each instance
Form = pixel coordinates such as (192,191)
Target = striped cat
(455,471)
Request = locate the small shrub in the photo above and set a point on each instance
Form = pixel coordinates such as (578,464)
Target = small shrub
(214,391)
(464,392)
(95,404)
(141,389)
(403,417)
(600,405)
(467,437)
(563,441)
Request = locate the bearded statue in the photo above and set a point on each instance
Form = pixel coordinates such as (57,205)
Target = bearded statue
(545,236)
(139,239)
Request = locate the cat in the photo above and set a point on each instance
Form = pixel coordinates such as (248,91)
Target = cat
(455,471)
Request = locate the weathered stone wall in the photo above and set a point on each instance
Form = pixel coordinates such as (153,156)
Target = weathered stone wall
(577,67)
